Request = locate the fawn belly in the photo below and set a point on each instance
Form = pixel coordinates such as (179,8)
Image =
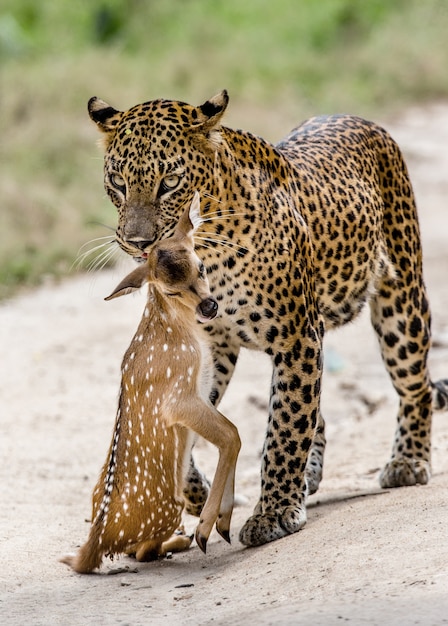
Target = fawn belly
(139,487)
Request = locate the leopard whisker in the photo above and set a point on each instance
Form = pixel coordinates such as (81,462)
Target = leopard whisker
(231,245)
(103,259)
(96,223)
(209,195)
(208,217)
(109,240)
(216,238)
(205,246)
(80,258)
(224,239)
(105,249)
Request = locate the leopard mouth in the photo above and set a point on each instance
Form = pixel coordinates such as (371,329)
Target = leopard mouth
(138,250)
(140,258)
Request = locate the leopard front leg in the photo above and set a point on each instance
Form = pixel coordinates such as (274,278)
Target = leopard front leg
(225,355)
(293,416)
(195,490)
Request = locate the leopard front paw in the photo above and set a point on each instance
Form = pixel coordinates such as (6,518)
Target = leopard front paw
(265,527)
(404,472)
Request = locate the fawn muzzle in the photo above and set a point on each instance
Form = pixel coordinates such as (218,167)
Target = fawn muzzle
(207,310)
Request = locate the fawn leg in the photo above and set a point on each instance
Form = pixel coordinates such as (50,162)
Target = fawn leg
(225,513)
(210,424)
(176,543)
(225,355)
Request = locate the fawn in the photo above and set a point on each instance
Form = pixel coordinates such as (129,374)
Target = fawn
(163,401)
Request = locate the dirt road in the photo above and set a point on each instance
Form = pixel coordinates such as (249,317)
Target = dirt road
(366,556)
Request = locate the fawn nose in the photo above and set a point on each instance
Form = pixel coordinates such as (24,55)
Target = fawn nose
(207,309)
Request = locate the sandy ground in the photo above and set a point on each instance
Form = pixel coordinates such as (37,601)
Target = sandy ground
(366,556)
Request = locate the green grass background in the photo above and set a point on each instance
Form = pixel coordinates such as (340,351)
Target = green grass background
(281,60)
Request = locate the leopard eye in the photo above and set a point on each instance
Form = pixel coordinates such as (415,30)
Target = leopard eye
(168,184)
(117,181)
(171,181)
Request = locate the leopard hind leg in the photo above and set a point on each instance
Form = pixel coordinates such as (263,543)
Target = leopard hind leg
(401,318)
(440,395)
(315,462)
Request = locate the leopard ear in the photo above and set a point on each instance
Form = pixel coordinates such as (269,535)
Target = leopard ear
(104,116)
(209,114)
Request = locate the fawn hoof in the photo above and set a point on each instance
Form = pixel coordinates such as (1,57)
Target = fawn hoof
(225,534)
(201,541)
(405,473)
(265,527)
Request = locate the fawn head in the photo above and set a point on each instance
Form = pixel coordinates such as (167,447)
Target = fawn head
(174,268)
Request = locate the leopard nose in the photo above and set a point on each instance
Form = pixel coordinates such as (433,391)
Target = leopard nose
(141,244)
(207,309)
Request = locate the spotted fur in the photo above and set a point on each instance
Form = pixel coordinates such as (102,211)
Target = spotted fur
(137,502)
(296,239)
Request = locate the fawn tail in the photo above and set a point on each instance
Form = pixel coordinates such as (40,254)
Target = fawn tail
(90,555)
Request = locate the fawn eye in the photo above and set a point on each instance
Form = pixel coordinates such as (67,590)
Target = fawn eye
(202,271)
(117,181)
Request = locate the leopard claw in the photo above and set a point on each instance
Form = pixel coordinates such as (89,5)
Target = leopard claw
(262,528)
(403,472)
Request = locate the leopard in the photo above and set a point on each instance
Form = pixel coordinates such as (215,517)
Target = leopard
(296,239)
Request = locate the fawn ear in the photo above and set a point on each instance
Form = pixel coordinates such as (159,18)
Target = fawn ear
(191,218)
(194,213)
(132,282)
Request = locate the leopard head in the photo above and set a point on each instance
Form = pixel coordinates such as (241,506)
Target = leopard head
(156,155)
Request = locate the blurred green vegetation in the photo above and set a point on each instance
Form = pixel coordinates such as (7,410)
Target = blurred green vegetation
(281,61)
